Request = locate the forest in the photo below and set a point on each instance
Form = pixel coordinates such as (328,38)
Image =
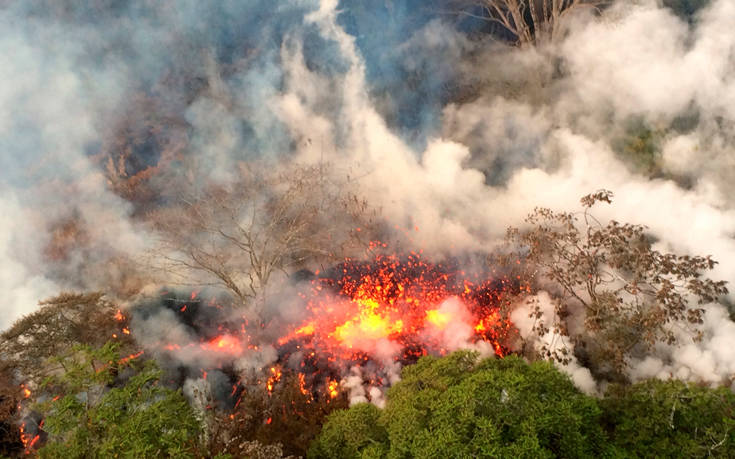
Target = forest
(351,229)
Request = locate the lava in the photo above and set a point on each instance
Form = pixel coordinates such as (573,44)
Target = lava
(403,304)
(376,315)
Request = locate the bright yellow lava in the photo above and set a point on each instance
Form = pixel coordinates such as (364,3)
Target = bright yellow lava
(436,318)
(369,325)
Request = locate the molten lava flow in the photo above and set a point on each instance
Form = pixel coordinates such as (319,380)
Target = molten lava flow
(224,343)
(399,308)
(359,319)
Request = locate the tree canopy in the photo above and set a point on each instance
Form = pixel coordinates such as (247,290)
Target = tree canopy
(461,406)
(99,413)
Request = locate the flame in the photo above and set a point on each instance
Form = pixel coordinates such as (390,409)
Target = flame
(332,389)
(131,357)
(274,378)
(224,343)
(119,316)
(393,303)
(386,309)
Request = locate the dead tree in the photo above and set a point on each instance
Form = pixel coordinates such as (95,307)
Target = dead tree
(236,236)
(531,22)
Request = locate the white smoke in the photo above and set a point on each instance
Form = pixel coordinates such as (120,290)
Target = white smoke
(540,129)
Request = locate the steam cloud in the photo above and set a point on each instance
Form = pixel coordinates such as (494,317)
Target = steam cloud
(91,97)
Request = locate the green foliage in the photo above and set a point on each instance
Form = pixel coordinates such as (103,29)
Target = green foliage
(672,419)
(459,407)
(356,432)
(137,418)
(640,147)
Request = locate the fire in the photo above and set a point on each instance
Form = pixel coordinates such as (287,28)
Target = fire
(332,389)
(367,316)
(131,357)
(436,318)
(274,378)
(224,343)
(369,324)
(29,441)
(397,305)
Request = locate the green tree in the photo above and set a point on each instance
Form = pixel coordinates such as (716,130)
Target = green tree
(460,406)
(61,323)
(94,414)
(672,419)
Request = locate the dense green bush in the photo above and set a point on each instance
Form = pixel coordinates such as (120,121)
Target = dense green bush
(95,415)
(458,406)
(672,419)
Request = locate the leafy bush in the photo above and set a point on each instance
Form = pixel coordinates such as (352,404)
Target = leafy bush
(672,419)
(457,406)
(137,418)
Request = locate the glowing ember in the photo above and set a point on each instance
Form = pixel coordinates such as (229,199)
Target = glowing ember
(332,389)
(403,306)
(224,343)
(29,441)
(274,378)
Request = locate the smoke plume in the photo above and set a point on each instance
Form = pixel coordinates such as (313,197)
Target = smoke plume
(108,111)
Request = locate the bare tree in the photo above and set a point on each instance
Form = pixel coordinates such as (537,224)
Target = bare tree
(531,22)
(631,296)
(236,236)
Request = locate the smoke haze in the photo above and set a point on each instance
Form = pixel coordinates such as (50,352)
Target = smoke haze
(105,110)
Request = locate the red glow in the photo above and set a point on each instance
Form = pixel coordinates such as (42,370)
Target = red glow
(389,309)
(131,357)
(398,305)
(224,343)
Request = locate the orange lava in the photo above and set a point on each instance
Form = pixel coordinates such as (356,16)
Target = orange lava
(391,303)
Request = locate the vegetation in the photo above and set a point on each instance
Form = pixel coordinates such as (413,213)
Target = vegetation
(672,418)
(98,412)
(632,296)
(459,406)
(283,421)
(531,22)
(61,323)
(237,236)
